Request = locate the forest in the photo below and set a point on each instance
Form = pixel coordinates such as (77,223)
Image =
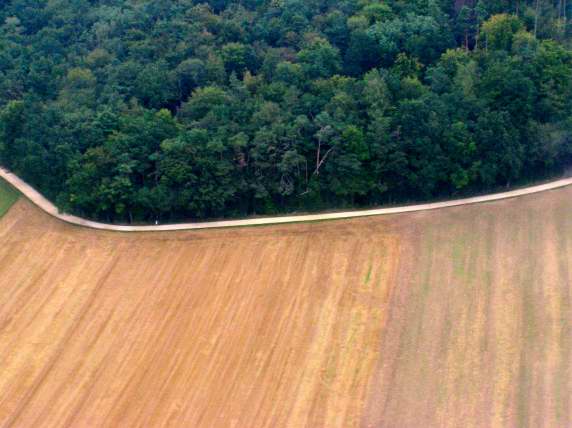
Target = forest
(150,110)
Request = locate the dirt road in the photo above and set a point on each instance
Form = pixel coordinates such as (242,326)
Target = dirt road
(49,208)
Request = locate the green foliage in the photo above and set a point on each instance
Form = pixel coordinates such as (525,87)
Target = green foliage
(237,57)
(418,35)
(320,59)
(11,129)
(500,30)
(161,110)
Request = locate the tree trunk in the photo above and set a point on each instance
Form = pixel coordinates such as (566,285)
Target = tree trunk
(537,12)
(318,157)
(321,161)
(565,16)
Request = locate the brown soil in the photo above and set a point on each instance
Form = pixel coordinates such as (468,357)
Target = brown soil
(452,318)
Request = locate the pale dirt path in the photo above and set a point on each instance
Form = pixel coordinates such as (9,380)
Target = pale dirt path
(40,201)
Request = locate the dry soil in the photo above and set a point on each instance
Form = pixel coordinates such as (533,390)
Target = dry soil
(453,318)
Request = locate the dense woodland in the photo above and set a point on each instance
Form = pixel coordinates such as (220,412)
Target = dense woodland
(145,110)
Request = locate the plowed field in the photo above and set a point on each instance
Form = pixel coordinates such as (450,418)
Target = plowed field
(452,318)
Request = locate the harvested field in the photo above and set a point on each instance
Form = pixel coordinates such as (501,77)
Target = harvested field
(452,318)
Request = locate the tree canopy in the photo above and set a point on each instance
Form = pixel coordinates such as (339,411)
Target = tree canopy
(144,110)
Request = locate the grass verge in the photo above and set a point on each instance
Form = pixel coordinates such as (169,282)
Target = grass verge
(8,195)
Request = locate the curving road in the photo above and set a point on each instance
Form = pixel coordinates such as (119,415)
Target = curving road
(35,197)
